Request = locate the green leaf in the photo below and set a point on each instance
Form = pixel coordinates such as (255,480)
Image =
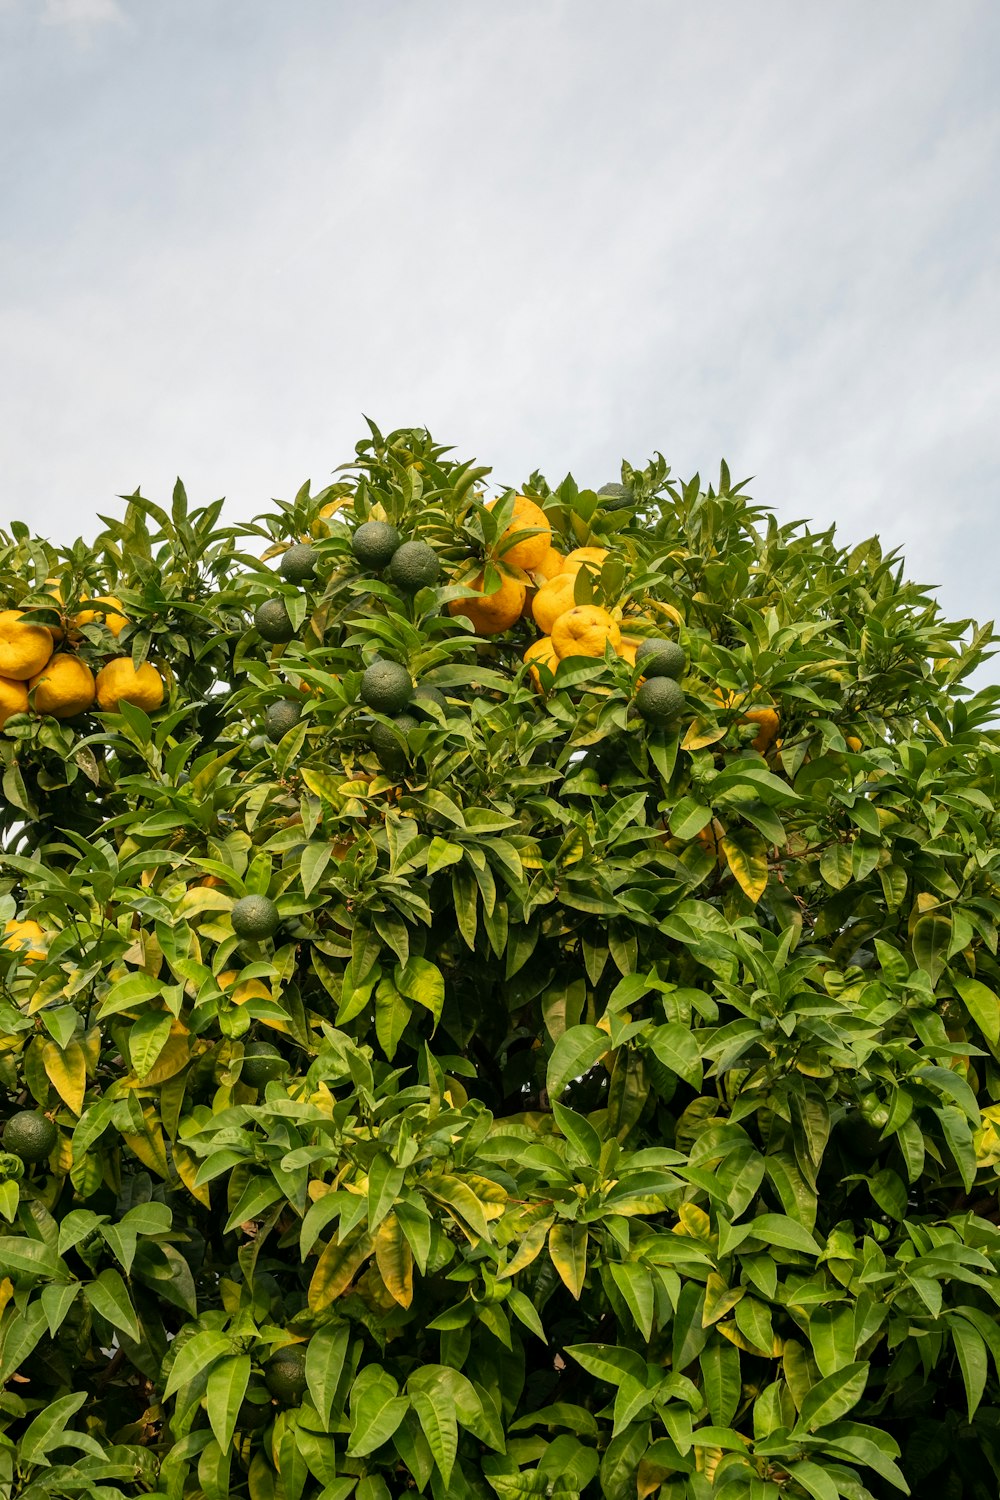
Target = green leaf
(108,1295)
(688,817)
(423,982)
(778,1229)
(815,1481)
(325,1356)
(579,1132)
(26,1257)
(574,1054)
(720,1370)
(196,1354)
(931,941)
(146,1040)
(568,1252)
(833,1397)
(971,1352)
(436,1413)
(635,1283)
(227,1385)
(375,1420)
(677,1050)
(392,1012)
(983,1006)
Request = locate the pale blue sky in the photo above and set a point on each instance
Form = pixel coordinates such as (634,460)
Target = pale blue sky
(554,232)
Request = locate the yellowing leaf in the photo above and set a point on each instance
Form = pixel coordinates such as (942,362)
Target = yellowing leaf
(395,1260)
(746,855)
(528,1249)
(568,1252)
(719,1299)
(335,1270)
(67,1071)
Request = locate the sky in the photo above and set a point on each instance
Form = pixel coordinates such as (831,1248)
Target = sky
(555,232)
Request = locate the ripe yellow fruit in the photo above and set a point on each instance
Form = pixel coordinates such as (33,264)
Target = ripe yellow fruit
(491,614)
(766,718)
(585,630)
(119,682)
(55,592)
(64,687)
(115,622)
(250,989)
(24,648)
(627,648)
(854,744)
(543,652)
(551,564)
(591,557)
(552,600)
(25,938)
(13,699)
(529,552)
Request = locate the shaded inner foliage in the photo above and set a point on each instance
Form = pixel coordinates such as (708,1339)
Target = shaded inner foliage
(628,1126)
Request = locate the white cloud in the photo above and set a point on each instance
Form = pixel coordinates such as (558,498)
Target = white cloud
(555,234)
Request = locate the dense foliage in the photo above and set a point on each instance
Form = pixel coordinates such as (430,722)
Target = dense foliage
(601,1108)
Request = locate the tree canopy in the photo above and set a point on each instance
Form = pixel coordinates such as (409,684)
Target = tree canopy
(497,998)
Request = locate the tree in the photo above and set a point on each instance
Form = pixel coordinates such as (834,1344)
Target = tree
(438,1058)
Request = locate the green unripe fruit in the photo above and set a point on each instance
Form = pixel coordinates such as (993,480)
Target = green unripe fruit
(255,918)
(660,702)
(386,687)
(615,496)
(298,563)
(414,566)
(273,622)
(261,1063)
(373,544)
(281,717)
(30,1135)
(391,754)
(425,695)
(657,656)
(285,1374)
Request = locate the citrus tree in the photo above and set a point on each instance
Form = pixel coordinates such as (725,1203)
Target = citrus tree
(497,997)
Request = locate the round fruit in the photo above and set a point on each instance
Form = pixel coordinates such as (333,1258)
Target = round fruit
(121,682)
(591,557)
(627,649)
(552,600)
(261,1063)
(373,544)
(425,695)
(298,563)
(616,496)
(255,918)
(285,1374)
(414,566)
(391,754)
(281,717)
(585,630)
(540,653)
(529,551)
(273,622)
(551,564)
(30,1135)
(24,938)
(386,687)
(24,648)
(13,699)
(253,1415)
(64,688)
(660,701)
(660,657)
(112,616)
(492,614)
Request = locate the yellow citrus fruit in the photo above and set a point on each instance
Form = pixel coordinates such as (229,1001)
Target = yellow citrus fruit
(592,557)
(528,552)
(55,592)
(119,682)
(628,647)
(24,648)
(64,687)
(13,699)
(854,744)
(766,718)
(115,622)
(250,989)
(552,600)
(25,938)
(491,614)
(543,652)
(551,564)
(585,630)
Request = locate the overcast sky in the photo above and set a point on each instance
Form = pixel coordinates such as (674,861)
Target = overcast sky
(556,233)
